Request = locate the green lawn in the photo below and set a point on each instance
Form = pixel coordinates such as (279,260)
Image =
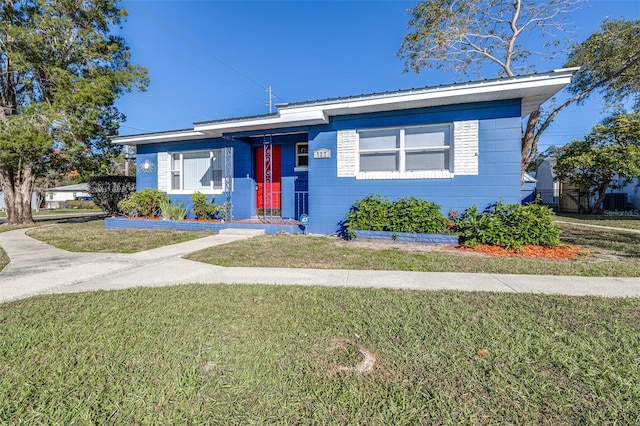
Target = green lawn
(602,220)
(614,254)
(44,212)
(4,259)
(244,354)
(91,236)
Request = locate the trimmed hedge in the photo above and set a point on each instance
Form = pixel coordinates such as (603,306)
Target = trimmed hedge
(107,191)
(410,214)
(80,204)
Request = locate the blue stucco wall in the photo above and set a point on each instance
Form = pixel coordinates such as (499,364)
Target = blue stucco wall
(330,197)
(243,182)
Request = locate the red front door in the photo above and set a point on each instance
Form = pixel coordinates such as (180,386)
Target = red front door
(268,180)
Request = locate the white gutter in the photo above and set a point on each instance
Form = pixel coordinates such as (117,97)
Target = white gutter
(533,90)
(159,137)
(283,119)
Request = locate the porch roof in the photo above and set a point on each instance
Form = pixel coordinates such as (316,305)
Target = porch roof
(532,89)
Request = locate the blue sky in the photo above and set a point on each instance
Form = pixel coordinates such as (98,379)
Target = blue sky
(215,59)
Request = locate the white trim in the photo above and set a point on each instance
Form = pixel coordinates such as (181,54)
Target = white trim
(465,147)
(430,174)
(182,135)
(532,90)
(401,152)
(347,153)
(164,171)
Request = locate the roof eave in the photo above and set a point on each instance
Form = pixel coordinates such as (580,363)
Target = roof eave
(284,119)
(159,137)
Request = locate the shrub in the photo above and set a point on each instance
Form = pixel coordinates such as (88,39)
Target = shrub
(202,208)
(147,201)
(376,213)
(508,225)
(80,204)
(128,208)
(370,214)
(417,216)
(107,191)
(172,211)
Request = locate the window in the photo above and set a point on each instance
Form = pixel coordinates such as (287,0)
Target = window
(302,155)
(405,150)
(197,170)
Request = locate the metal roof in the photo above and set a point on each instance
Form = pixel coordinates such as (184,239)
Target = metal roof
(532,90)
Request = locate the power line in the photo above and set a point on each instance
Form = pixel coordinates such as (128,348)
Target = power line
(198,47)
(204,70)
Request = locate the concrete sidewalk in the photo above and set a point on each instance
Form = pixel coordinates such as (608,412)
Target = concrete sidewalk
(38,268)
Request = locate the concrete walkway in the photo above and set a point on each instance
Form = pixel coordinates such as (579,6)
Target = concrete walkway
(38,268)
(610,228)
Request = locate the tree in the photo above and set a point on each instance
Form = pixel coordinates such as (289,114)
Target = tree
(61,69)
(487,37)
(612,148)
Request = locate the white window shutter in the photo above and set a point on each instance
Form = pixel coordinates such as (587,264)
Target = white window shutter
(347,153)
(164,172)
(465,147)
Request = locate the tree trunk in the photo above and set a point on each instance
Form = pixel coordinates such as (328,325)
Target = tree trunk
(529,141)
(17,188)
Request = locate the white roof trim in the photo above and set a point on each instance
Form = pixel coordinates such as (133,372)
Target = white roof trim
(533,90)
(159,137)
(289,119)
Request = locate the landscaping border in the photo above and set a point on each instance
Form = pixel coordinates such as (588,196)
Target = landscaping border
(407,237)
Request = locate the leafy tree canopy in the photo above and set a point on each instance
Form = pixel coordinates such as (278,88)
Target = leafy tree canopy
(590,165)
(487,37)
(61,70)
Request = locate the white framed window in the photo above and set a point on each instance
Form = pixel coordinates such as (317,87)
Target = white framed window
(192,171)
(302,156)
(405,151)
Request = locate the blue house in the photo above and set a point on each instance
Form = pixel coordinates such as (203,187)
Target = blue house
(456,145)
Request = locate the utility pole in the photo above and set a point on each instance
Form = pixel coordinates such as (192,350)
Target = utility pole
(271,97)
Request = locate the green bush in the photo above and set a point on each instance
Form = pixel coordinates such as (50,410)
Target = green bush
(128,208)
(147,201)
(80,204)
(417,216)
(172,211)
(376,213)
(508,225)
(202,208)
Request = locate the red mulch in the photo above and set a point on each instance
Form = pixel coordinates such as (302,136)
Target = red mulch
(565,251)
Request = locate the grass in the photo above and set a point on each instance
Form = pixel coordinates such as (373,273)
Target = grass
(91,236)
(219,354)
(602,220)
(4,259)
(44,212)
(615,254)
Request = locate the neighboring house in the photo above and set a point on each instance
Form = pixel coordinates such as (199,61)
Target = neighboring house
(547,188)
(624,198)
(456,145)
(528,189)
(55,198)
(568,199)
